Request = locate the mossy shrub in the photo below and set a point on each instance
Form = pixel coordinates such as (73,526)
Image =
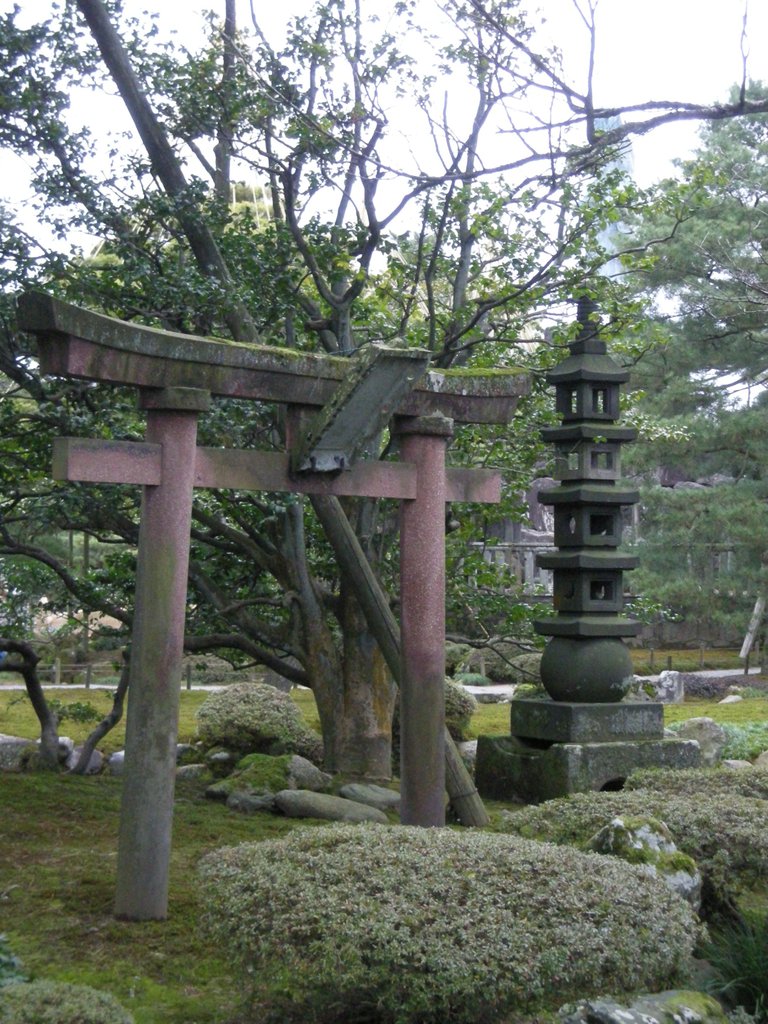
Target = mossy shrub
(51,1002)
(704,781)
(392,925)
(726,835)
(460,705)
(256,718)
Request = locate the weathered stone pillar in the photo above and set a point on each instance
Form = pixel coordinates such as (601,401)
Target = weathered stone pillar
(156,657)
(423,442)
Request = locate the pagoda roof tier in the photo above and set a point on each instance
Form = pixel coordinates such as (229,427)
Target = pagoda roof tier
(591,559)
(587,626)
(589,494)
(588,430)
(588,366)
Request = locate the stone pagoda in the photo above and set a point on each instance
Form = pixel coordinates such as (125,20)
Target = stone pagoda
(586,734)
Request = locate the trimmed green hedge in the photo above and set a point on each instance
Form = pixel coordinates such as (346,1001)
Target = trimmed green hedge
(726,834)
(52,1002)
(256,718)
(395,925)
(752,782)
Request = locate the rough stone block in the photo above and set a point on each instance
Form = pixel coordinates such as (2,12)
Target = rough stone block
(566,722)
(509,769)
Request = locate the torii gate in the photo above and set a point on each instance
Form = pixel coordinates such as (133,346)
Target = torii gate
(176,376)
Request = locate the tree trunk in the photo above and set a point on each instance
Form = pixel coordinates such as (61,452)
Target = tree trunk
(107,723)
(364,731)
(49,723)
(165,163)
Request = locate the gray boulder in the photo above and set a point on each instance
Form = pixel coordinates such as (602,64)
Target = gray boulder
(95,762)
(66,749)
(14,752)
(116,763)
(736,763)
(250,803)
(302,774)
(371,795)
(709,735)
(678,1006)
(648,843)
(761,761)
(300,803)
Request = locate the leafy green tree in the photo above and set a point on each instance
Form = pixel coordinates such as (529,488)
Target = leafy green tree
(700,381)
(452,248)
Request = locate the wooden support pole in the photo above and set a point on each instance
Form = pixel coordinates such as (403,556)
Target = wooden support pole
(156,659)
(465,800)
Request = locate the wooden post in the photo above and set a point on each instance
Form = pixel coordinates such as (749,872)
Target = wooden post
(754,627)
(156,657)
(423,442)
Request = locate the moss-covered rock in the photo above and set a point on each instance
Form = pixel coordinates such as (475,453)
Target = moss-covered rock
(264,775)
(648,842)
(256,718)
(395,924)
(680,1006)
(50,1002)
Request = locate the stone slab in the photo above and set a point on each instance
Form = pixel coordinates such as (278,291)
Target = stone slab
(508,769)
(567,722)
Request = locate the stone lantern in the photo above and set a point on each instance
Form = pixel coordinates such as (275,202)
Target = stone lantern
(586,660)
(586,734)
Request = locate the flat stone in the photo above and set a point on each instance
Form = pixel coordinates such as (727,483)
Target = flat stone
(300,803)
(250,803)
(736,763)
(567,722)
(732,698)
(509,769)
(371,795)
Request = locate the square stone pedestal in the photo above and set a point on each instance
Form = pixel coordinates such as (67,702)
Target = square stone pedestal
(557,748)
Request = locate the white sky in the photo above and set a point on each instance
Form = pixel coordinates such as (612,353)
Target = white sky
(646,49)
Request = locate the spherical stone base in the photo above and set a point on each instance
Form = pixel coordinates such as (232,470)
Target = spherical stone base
(589,671)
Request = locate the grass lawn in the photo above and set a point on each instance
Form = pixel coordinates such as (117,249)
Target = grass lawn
(58,838)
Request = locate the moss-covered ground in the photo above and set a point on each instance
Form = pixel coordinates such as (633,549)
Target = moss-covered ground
(58,837)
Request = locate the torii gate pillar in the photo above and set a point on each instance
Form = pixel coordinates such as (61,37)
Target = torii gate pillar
(156,655)
(423,441)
